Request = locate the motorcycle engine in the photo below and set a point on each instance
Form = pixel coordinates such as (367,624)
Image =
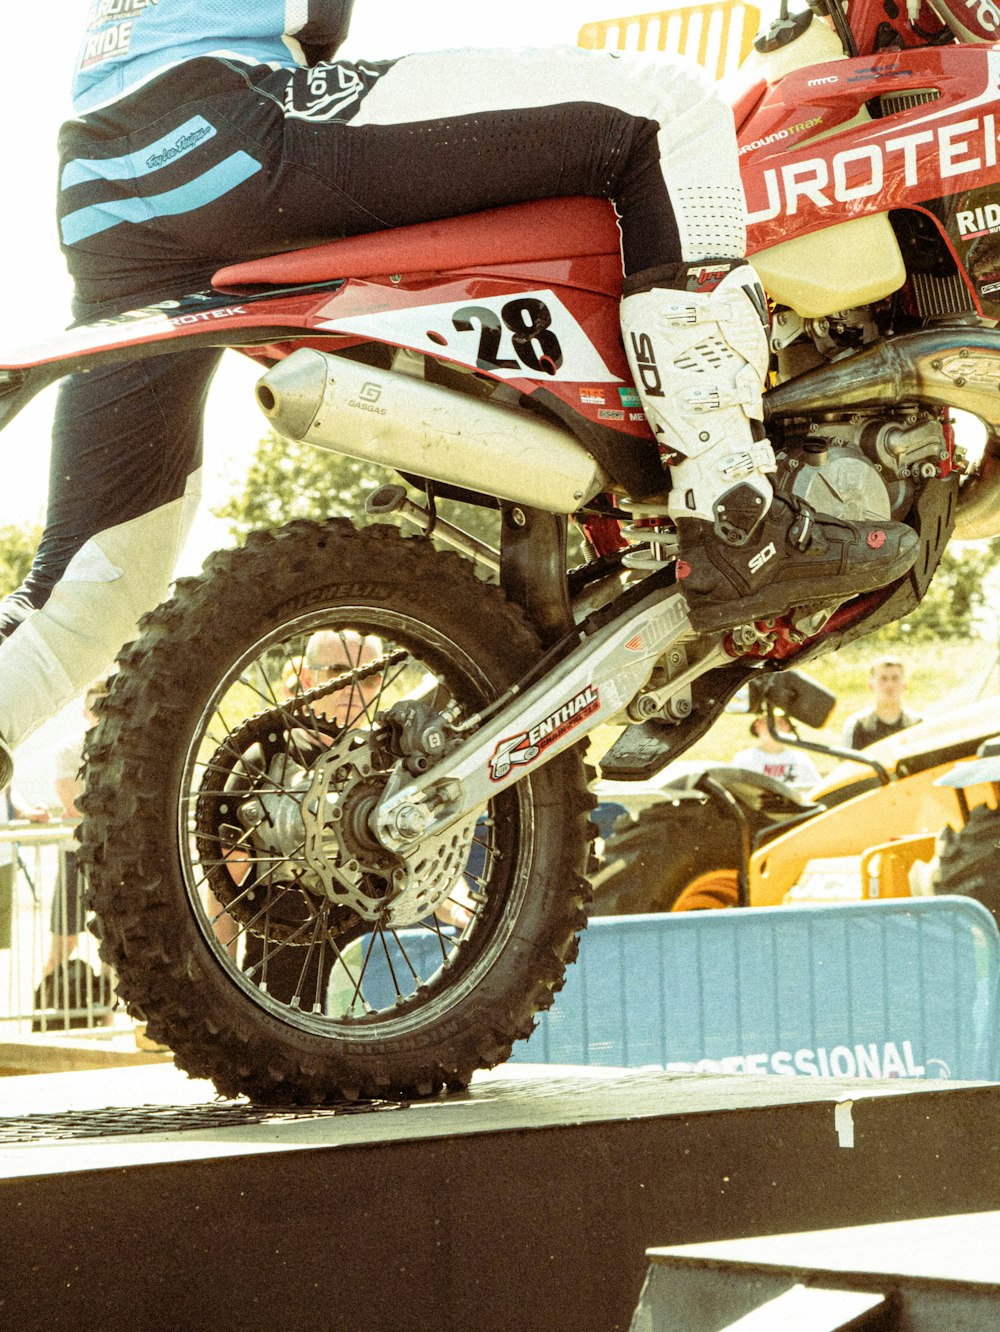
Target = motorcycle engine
(862,467)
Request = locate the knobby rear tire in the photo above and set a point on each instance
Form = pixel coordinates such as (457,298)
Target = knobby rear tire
(968,860)
(173,972)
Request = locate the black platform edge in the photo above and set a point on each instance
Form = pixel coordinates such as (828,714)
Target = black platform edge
(526,1204)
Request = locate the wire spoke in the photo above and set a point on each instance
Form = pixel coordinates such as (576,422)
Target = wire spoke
(260,741)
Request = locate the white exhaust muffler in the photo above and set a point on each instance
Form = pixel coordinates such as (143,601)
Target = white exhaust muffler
(429,431)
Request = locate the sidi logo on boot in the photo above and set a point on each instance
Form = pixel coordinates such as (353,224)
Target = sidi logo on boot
(645,362)
(757,562)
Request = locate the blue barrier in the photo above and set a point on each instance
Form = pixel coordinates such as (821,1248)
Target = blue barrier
(901,988)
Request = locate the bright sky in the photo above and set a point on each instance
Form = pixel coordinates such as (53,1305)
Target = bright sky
(35,291)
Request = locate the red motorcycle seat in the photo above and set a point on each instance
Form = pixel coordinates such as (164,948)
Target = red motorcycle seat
(520,233)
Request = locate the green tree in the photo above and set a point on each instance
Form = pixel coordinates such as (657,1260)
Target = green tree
(17,550)
(288,480)
(954,600)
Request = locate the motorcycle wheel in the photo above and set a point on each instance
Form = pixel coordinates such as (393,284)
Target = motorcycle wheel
(670,858)
(198,776)
(968,860)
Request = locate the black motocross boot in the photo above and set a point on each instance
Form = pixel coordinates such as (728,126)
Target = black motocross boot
(794,557)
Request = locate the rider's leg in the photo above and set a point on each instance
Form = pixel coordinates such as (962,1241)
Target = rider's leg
(257,160)
(694,317)
(662,146)
(124,486)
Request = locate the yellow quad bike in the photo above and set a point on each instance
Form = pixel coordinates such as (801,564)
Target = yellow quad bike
(721,836)
(966,857)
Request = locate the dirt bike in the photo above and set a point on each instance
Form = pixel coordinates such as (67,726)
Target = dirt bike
(368,884)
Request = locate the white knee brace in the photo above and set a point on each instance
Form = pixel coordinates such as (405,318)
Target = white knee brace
(109,584)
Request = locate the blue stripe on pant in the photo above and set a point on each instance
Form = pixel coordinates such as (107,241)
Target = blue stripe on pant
(205,189)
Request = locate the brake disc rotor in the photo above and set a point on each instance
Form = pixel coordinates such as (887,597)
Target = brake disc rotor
(344,856)
(280,826)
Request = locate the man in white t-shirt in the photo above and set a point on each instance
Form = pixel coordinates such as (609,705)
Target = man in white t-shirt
(772,758)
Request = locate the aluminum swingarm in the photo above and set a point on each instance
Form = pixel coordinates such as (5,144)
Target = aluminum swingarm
(597,680)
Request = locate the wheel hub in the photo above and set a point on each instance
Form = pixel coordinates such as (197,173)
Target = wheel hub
(302,823)
(396,890)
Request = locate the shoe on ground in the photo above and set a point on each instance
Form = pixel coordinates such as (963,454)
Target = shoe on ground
(794,557)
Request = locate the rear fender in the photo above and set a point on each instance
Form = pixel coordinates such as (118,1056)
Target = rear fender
(204,319)
(33,369)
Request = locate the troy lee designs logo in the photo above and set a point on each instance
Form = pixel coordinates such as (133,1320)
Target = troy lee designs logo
(523,748)
(922,156)
(182,145)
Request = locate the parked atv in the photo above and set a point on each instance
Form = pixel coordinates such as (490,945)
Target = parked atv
(723,836)
(967,857)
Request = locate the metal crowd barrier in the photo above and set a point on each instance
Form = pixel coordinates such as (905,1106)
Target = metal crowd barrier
(904,988)
(719,35)
(50,975)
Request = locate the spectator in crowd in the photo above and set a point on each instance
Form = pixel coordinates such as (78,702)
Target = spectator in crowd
(773,758)
(10,809)
(887,682)
(329,654)
(333,652)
